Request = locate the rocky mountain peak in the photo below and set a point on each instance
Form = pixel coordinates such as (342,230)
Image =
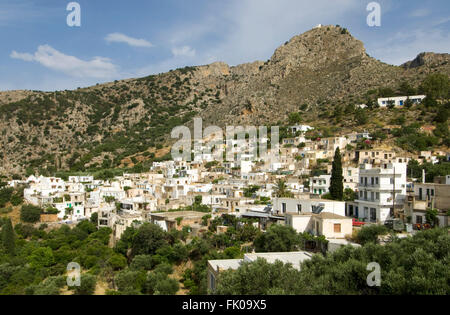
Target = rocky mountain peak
(319,46)
(427,59)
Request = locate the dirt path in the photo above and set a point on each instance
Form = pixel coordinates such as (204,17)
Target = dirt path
(177,274)
(101,288)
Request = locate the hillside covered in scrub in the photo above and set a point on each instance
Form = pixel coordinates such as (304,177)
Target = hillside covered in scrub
(317,78)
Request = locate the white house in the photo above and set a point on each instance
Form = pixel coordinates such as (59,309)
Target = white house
(400,100)
(300,128)
(320,185)
(300,206)
(330,225)
(381,191)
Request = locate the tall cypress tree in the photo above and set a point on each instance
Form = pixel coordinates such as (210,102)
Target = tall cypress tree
(8,237)
(337,178)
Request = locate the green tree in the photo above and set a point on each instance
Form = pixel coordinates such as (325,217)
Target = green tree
(260,278)
(141,262)
(414,170)
(432,217)
(87,285)
(436,86)
(405,89)
(295,118)
(8,237)
(117,261)
(130,279)
(16,199)
(369,234)
(30,213)
(158,283)
(167,286)
(148,239)
(350,195)
(282,191)
(415,265)
(337,178)
(41,257)
(94,218)
(361,116)
(50,286)
(278,238)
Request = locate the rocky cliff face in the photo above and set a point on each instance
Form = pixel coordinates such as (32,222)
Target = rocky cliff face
(427,59)
(113,121)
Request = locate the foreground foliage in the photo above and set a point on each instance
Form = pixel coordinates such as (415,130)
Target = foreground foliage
(413,266)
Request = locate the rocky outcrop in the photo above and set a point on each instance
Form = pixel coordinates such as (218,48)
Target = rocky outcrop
(323,66)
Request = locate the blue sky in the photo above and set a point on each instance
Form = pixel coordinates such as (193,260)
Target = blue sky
(126,39)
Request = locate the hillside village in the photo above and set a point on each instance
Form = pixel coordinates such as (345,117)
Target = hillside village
(360,173)
(380,188)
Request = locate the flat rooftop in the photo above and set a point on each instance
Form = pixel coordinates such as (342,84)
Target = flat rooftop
(293,258)
(322,215)
(179,214)
(225,264)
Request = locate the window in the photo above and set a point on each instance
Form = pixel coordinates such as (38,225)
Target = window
(299,208)
(283,207)
(373,214)
(419,219)
(337,228)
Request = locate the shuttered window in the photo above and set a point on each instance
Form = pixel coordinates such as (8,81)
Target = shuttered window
(337,228)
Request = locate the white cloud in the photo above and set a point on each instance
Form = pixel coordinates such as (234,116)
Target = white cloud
(185,51)
(22,56)
(98,67)
(122,38)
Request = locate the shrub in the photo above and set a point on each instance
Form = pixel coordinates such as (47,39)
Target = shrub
(369,234)
(30,214)
(87,285)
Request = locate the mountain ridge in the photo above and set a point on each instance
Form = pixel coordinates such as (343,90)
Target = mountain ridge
(323,68)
